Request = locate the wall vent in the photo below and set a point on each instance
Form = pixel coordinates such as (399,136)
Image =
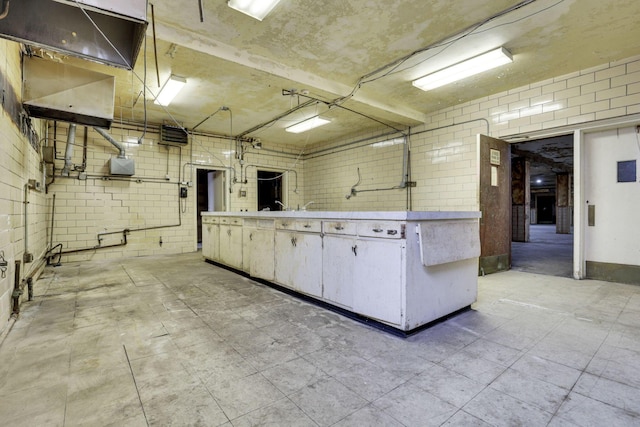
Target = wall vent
(173,135)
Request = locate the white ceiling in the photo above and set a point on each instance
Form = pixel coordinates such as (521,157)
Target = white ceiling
(326,48)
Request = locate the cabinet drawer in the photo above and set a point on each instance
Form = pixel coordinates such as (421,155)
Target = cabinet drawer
(265,223)
(285,224)
(250,222)
(308,226)
(340,227)
(230,220)
(382,229)
(210,219)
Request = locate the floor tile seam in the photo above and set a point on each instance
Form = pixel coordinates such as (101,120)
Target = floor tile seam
(529,404)
(506,366)
(319,368)
(485,386)
(464,374)
(373,404)
(284,396)
(135,383)
(583,371)
(635,414)
(481,334)
(404,382)
(565,390)
(601,375)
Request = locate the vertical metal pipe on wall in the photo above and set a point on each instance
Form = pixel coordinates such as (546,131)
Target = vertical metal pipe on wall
(68,152)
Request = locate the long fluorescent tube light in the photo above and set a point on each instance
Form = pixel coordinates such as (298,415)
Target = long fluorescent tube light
(464,69)
(257,9)
(170,89)
(305,125)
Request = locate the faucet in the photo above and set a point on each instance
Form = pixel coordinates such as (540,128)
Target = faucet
(304,208)
(284,208)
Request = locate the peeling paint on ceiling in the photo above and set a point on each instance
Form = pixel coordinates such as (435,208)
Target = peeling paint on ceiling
(325,47)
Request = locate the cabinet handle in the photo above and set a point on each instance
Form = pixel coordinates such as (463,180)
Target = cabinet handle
(338,227)
(355,250)
(392,232)
(294,241)
(284,224)
(378,230)
(251,236)
(228,232)
(307,226)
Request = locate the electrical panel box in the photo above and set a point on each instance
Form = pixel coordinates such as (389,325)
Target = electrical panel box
(48,155)
(118,166)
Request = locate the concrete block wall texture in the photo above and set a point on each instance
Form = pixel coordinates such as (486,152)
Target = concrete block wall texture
(19,162)
(444,148)
(92,202)
(443,164)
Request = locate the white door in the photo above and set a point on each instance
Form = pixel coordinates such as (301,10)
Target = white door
(614,236)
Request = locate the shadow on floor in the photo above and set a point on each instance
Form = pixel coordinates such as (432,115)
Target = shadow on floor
(546,252)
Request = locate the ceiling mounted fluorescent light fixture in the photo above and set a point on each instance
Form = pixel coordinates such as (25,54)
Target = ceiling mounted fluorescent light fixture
(464,69)
(305,125)
(257,9)
(170,89)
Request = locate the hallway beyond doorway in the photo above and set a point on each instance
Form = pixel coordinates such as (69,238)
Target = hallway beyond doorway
(546,252)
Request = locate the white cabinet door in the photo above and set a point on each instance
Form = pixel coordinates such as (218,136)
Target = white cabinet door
(211,241)
(379,279)
(214,247)
(338,259)
(247,248)
(262,261)
(299,261)
(206,241)
(231,245)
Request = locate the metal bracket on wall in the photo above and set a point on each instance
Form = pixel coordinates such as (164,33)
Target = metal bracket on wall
(3,265)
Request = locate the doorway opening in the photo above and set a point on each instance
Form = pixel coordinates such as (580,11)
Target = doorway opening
(270,192)
(210,195)
(542,206)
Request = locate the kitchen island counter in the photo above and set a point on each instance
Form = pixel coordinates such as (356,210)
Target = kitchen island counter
(402,270)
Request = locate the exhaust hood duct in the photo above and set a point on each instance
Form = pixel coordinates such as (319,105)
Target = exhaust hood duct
(63,26)
(56,91)
(68,152)
(118,165)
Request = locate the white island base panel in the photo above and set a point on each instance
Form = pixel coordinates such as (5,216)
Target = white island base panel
(401,270)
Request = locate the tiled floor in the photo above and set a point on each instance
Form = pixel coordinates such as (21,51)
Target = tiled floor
(175,341)
(546,252)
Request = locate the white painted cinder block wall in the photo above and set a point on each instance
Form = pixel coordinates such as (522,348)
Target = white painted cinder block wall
(443,150)
(19,162)
(148,203)
(443,164)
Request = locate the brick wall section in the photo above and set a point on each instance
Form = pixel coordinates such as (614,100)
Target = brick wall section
(19,162)
(443,150)
(148,203)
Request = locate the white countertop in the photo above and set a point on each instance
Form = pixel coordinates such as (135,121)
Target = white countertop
(368,215)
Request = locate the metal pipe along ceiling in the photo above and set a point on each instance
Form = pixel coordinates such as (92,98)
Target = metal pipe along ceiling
(115,143)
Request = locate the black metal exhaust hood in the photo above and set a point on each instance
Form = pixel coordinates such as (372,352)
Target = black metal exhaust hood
(105,31)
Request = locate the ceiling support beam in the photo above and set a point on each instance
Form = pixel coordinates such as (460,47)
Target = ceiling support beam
(226,52)
(538,158)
